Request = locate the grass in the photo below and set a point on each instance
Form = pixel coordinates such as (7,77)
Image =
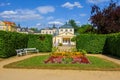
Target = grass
(37,62)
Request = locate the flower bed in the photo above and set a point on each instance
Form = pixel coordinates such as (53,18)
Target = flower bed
(67,57)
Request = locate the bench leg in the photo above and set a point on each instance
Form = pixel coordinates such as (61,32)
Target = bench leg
(19,54)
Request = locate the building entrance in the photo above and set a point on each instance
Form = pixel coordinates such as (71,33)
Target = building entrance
(66,41)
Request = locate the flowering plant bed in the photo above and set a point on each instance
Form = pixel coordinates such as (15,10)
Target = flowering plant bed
(67,57)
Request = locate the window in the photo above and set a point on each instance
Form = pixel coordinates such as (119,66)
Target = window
(66,30)
(70,29)
(61,29)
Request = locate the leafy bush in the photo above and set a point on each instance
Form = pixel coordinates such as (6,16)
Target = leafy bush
(112,45)
(60,44)
(92,43)
(9,41)
(54,49)
(83,52)
(41,42)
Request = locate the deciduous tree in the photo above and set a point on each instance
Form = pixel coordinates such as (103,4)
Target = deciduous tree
(107,20)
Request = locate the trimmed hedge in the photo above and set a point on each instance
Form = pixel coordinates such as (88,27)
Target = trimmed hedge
(92,43)
(112,45)
(9,41)
(96,43)
(41,42)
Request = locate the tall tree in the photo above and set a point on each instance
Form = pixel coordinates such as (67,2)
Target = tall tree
(107,20)
(73,24)
(87,28)
(34,29)
(54,26)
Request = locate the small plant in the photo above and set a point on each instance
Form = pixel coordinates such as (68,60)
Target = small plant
(67,60)
(74,50)
(82,51)
(54,49)
(60,44)
(73,39)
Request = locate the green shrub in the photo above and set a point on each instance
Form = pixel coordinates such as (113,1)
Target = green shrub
(60,44)
(83,52)
(54,49)
(112,45)
(92,43)
(41,42)
(9,41)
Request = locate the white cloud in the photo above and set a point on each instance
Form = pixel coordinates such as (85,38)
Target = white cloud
(8,12)
(5,4)
(82,15)
(71,6)
(55,22)
(77,4)
(68,5)
(77,22)
(38,24)
(45,9)
(20,15)
(97,1)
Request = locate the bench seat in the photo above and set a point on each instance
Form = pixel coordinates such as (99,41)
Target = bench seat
(27,50)
(20,52)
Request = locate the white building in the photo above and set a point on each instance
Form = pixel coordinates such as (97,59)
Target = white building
(65,34)
(49,31)
(25,30)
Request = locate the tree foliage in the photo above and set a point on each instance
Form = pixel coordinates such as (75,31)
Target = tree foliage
(87,28)
(34,29)
(107,20)
(73,24)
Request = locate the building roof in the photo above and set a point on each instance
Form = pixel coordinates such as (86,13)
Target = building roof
(9,23)
(48,28)
(66,26)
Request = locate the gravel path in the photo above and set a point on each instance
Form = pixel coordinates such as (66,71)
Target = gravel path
(41,74)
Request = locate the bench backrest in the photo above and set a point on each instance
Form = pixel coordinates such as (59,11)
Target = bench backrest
(19,50)
(29,48)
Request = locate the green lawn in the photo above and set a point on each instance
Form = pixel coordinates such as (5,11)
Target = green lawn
(37,62)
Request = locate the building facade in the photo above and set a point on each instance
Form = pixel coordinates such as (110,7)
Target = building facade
(51,31)
(25,30)
(7,26)
(64,36)
(61,35)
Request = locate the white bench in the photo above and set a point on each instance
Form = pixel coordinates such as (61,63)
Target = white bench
(27,50)
(20,52)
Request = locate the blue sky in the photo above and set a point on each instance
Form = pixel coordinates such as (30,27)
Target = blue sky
(44,13)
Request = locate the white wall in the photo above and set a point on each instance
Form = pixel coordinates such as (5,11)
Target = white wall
(48,31)
(69,30)
(57,40)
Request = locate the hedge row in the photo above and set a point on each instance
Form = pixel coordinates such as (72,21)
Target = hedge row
(9,41)
(41,42)
(92,43)
(95,43)
(112,45)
